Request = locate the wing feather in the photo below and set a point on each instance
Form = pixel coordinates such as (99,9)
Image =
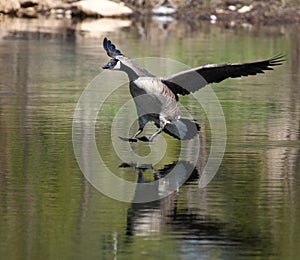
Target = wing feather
(110,48)
(191,80)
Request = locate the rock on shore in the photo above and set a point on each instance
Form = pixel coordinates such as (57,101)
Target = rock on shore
(254,11)
(103,8)
(9,6)
(94,8)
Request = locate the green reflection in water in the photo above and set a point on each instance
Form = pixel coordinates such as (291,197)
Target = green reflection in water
(47,208)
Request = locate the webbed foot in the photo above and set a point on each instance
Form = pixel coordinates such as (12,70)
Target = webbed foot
(144,139)
(131,140)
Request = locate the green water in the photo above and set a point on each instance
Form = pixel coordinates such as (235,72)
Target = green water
(48,210)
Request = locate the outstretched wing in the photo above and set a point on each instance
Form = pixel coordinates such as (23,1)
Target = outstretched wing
(190,81)
(110,48)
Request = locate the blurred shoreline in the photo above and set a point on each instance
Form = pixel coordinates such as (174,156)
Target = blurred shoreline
(66,29)
(255,11)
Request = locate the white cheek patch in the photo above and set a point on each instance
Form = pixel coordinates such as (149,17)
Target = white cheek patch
(117,66)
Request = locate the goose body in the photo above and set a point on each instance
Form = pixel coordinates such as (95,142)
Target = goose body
(156,98)
(161,96)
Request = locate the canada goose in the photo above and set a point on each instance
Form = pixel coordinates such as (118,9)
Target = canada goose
(156,98)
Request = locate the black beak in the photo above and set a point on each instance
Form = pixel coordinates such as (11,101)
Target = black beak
(110,64)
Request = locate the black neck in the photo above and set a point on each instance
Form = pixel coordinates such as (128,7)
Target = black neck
(132,75)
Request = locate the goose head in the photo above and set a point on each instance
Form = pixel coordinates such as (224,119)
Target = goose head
(113,64)
(120,62)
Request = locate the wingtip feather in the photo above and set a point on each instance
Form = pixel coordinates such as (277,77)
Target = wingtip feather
(110,48)
(277,60)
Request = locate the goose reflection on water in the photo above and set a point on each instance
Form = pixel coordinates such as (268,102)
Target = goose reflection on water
(171,216)
(150,216)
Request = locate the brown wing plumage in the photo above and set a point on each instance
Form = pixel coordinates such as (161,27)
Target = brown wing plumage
(189,81)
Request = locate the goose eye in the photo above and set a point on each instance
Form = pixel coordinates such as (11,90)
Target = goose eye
(110,64)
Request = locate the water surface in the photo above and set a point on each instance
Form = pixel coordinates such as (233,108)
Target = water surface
(49,210)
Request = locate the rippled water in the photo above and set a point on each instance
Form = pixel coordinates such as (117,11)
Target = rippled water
(49,210)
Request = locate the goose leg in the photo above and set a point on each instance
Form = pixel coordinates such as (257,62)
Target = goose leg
(162,124)
(134,137)
(155,134)
(150,139)
(142,123)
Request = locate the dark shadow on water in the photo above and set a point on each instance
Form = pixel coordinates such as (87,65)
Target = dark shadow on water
(170,217)
(140,210)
